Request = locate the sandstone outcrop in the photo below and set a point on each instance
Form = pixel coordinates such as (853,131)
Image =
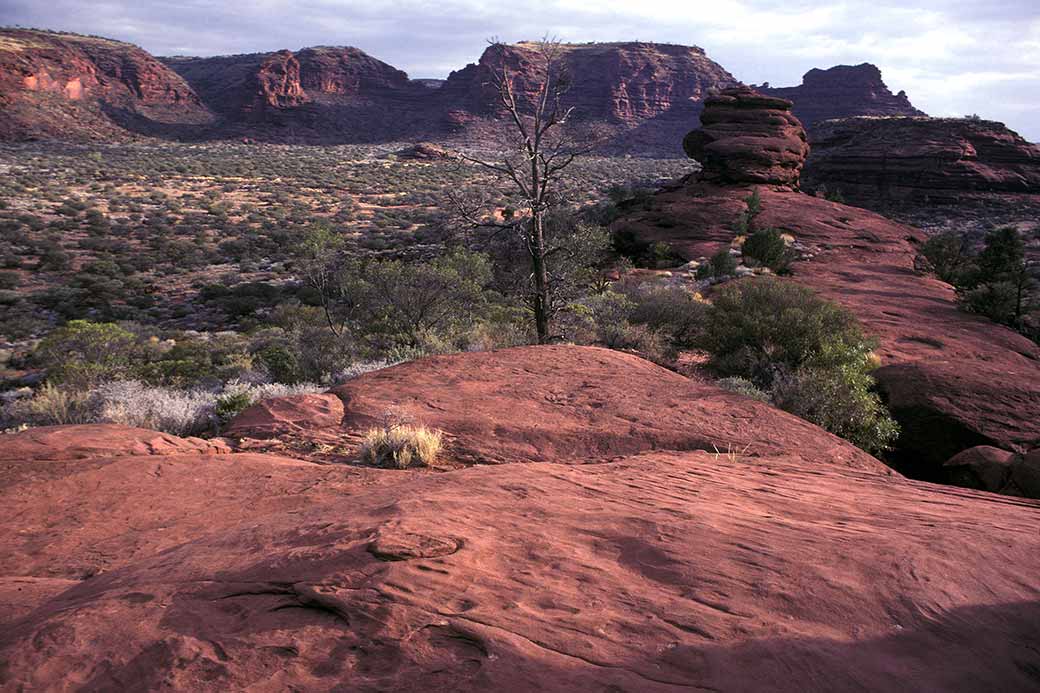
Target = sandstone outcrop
(746,137)
(71,87)
(656,571)
(999,471)
(562,404)
(952,380)
(842,91)
(878,161)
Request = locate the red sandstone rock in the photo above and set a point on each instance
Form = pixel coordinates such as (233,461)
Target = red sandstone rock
(554,403)
(953,380)
(99,440)
(842,91)
(746,137)
(878,161)
(660,571)
(105,87)
(284,415)
(983,467)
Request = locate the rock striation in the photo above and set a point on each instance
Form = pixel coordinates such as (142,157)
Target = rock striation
(651,570)
(746,137)
(842,91)
(71,87)
(878,161)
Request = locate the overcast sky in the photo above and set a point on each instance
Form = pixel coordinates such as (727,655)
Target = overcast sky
(953,57)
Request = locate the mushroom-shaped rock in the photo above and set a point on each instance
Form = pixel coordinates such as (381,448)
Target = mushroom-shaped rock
(747,137)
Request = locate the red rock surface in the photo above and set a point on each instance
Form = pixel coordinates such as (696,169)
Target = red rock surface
(842,91)
(97,440)
(746,137)
(953,380)
(878,161)
(658,571)
(549,403)
(71,87)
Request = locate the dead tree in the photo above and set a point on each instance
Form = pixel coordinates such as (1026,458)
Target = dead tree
(539,146)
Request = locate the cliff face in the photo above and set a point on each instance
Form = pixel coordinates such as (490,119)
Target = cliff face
(843,91)
(879,160)
(315,94)
(78,87)
(647,91)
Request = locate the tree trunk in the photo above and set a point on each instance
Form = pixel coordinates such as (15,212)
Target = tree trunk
(541,278)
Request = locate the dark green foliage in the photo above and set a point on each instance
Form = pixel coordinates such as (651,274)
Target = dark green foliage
(721,264)
(767,248)
(949,255)
(784,339)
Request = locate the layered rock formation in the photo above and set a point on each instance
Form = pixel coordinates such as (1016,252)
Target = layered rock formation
(748,138)
(878,161)
(952,380)
(642,93)
(843,91)
(322,94)
(65,86)
(648,91)
(651,570)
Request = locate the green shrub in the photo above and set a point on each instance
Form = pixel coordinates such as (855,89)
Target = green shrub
(721,264)
(949,255)
(808,353)
(840,401)
(743,386)
(83,353)
(767,248)
(996,301)
(231,404)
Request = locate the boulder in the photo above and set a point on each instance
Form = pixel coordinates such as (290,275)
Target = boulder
(99,440)
(982,467)
(746,137)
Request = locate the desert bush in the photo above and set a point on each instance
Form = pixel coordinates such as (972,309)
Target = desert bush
(401,446)
(840,401)
(811,355)
(51,405)
(721,264)
(767,248)
(743,386)
(133,403)
(83,353)
(949,255)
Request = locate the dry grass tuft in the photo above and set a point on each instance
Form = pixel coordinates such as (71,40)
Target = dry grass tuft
(401,446)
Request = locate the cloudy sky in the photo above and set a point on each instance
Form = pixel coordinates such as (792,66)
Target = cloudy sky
(953,57)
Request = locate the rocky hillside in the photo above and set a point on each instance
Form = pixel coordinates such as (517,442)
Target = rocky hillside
(66,86)
(142,561)
(71,87)
(875,161)
(320,94)
(644,90)
(840,92)
(953,380)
